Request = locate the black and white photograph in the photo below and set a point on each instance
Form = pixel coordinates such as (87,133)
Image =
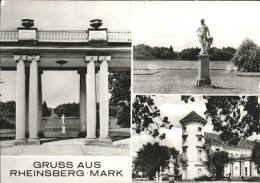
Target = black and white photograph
(65,78)
(196,47)
(129,91)
(185,138)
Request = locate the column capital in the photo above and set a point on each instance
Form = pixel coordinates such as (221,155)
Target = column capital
(33,58)
(82,71)
(18,58)
(91,58)
(104,58)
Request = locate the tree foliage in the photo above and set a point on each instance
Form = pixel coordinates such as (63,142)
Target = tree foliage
(247,57)
(235,117)
(256,155)
(69,110)
(153,156)
(119,88)
(143,51)
(144,117)
(7,109)
(216,162)
(46,112)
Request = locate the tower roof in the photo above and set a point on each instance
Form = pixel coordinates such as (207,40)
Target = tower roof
(193,117)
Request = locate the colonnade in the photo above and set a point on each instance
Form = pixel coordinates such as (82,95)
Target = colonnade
(29,100)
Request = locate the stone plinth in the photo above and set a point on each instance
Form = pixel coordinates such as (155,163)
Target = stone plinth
(63,129)
(203,71)
(171,178)
(104,141)
(33,142)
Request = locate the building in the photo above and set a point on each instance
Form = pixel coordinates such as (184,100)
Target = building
(196,144)
(30,51)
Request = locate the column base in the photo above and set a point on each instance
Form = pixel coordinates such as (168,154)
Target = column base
(82,134)
(33,142)
(203,82)
(19,142)
(171,178)
(105,141)
(91,141)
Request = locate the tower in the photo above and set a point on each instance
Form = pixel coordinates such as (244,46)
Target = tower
(193,146)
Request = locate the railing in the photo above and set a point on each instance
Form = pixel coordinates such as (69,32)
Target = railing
(10,35)
(119,36)
(62,36)
(66,36)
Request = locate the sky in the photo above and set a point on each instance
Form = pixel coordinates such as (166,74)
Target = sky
(175,23)
(60,87)
(175,109)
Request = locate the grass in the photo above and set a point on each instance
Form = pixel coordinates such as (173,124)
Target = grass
(184,81)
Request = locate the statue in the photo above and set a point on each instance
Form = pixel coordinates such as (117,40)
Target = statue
(171,169)
(204,38)
(171,165)
(63,119)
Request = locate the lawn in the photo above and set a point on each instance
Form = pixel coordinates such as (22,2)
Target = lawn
(174,81)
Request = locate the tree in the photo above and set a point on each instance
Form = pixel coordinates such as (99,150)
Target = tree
(256,156)
(119,88)
(7,109)
(247,57)
(46,112)
(144,117)
(168,55)
(216,162)
(153,156)
(69,110)
(142,51)
(235,117)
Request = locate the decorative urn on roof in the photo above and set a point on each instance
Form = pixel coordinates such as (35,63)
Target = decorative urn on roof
(27,23)
(96,23)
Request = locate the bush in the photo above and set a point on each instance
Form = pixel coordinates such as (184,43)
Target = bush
(5,124)
(247,57)
(203,178)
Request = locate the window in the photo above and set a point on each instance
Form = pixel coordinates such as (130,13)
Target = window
(217,149)
(199,139)
(199,129)
(184,129)
(199,172)
(199,155)
(184,139)
(236,168)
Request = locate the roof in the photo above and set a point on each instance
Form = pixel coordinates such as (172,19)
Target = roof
(214,139)
(193,117)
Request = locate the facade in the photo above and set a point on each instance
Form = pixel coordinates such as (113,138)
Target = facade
(196,144)
(30,51)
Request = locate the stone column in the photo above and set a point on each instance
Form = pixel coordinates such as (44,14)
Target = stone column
(20,100)
(91,100)
(82,102)
(27,81)
(104,103)
(203,71)
(40,132)
(33,100)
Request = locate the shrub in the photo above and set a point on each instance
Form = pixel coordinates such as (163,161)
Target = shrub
(203,178)
(247,57)
(5,124)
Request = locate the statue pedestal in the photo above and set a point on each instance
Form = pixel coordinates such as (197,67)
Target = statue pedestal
(171,178)
(63,130)
(203,71)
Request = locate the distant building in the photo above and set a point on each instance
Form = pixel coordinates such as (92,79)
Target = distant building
(196,144)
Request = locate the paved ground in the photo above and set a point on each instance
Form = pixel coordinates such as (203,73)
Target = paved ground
(73,147)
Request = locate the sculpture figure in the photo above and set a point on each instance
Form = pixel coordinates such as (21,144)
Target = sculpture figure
(204,38)
(171,165)
(63,119)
